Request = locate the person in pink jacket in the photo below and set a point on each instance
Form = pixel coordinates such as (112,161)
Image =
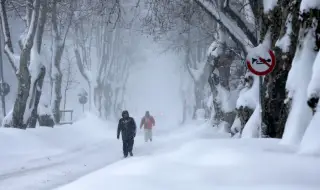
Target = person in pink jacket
(147,122)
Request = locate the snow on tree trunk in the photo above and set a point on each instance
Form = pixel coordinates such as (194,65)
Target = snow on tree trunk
(57,80)
(299,77)
(20,114)
(223,102)
(37,69)
(277,21)
(236,127)
(277,32)
(252,127)
(307,60)
(196,66)
(247,103)
(237,27)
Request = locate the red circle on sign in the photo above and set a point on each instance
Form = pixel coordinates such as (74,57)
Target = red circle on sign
(271,66)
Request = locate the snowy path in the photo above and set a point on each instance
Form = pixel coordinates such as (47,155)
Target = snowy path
(49,172)
(206,163)
(52,171)
(190,158)
(43,169)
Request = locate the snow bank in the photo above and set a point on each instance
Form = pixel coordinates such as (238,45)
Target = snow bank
(298,79)
(21,146)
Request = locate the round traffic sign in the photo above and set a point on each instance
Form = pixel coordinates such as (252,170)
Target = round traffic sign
(4,88)
(83,99)
(262,65)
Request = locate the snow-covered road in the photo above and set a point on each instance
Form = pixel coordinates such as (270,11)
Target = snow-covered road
(209,162)
(51,171)
(187,157)
(45,158)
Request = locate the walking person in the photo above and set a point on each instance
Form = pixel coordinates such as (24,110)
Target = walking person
(147,122)
(127,128)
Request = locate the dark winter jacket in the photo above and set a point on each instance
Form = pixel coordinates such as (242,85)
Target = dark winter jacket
(127,127)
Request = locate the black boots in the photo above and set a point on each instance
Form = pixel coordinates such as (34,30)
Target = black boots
(130,153)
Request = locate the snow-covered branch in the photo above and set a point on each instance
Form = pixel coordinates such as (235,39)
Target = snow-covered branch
(8,47)
(80,65)
(33,25)
(237,33)
(54,20)
(28,11)
(41,25)
(241,24)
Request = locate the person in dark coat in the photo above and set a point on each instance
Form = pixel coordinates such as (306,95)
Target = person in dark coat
(127,128)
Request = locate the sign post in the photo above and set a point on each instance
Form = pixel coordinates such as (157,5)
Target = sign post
(4,87)
(261,65)
(83,99)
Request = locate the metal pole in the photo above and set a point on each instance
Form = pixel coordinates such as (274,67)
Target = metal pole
(261,104)
(3,100)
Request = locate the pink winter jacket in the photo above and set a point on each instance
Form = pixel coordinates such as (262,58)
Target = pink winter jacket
(147,122)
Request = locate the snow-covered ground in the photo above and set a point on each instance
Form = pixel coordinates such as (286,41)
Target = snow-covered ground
(43,158)
(87,156)
(205,163)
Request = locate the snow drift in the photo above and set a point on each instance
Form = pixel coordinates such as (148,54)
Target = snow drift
(19,147)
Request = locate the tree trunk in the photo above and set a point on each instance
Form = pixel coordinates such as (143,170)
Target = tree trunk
(83,73)
(57,83)
(19,117)
(184,112)
(38,82)
(58,48)
(64,102)
(3,100)
(98,98)
(18,120)
(36,93)
(275,111)
(219,81)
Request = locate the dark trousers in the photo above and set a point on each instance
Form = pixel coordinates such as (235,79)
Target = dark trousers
(127,146)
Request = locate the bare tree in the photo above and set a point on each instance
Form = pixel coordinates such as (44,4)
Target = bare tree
(60,31)
(27,65)
(36,68)
(83,40)
(69,79)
